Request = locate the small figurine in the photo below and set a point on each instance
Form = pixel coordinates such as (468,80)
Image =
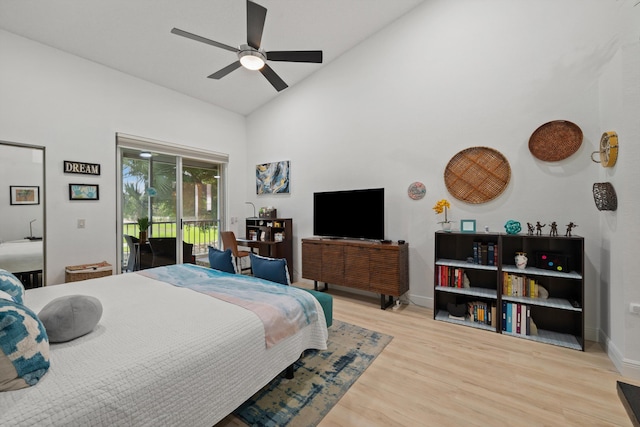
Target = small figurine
(539,228)
(554,229)
(530,229)
(569,227)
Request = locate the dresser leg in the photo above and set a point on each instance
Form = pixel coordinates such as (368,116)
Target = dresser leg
(385,304)
(315,286)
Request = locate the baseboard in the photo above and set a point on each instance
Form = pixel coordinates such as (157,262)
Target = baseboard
(417,300)
(627,367)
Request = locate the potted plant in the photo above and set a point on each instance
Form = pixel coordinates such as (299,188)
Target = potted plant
(441,207)
(143,224)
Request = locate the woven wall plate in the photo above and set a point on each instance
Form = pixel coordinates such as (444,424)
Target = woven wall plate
(477,175)
(555,141)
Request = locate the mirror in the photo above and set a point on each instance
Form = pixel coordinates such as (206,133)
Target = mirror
(22,212)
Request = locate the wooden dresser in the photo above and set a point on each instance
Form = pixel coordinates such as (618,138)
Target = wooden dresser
(382,268)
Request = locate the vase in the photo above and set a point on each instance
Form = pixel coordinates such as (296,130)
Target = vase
(521,260)
(446,226)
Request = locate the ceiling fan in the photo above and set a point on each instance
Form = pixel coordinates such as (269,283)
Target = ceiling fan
(250,55)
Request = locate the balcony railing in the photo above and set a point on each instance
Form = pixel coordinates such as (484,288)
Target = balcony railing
(202,233)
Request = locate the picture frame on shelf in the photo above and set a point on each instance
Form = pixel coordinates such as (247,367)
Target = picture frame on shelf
(84,192)
(24,195)
(467,225)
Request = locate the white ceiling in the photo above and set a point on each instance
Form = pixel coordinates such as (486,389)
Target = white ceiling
(133,36)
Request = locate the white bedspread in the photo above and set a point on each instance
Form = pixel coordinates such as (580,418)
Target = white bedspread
(21,255)
(161,355)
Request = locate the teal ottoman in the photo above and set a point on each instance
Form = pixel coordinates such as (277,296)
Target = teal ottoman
(326,301)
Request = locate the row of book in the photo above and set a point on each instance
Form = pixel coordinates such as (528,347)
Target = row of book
(485,253)
(452,277)
(479,312)
(516,285)
(516,318)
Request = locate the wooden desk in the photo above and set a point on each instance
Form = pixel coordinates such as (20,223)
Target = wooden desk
(269,248)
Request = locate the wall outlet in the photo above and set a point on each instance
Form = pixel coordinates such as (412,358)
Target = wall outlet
(634,308)
(81,223)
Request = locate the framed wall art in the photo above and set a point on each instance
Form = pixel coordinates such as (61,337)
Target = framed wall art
(84,192)
(468,225)
(24,195)
(273,178)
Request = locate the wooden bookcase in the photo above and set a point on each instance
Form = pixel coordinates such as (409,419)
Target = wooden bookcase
(559,319)
(382,268)
(273,237)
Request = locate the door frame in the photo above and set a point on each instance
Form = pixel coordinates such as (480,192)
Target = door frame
(126,141)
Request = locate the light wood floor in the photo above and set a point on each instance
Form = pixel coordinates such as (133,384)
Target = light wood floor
(439,374)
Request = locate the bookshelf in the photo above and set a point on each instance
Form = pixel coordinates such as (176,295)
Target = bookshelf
(273,237)
(460,258)
(547,297)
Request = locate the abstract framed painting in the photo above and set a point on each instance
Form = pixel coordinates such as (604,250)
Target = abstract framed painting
(24,195)
(273,178)
(84,192)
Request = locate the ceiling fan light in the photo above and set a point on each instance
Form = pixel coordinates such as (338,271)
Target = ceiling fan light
(251,62)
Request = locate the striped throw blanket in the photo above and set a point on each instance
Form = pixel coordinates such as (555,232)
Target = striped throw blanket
(283,310)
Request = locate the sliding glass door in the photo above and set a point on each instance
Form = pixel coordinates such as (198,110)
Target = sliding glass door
(179,198)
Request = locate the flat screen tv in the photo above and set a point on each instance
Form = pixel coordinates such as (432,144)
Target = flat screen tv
(353,214)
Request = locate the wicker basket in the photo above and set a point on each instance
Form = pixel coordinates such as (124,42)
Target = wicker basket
(477,175)
(555,141)
(75,273)
(605,196)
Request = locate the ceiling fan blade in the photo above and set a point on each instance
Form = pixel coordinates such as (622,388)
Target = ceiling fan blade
(226,70)
(256,16)
(203,40)
(273,78)
(296,56)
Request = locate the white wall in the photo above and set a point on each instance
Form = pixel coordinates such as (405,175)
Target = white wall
(449,76)
(74,108)
(392,111)
(19,166)
(620,109)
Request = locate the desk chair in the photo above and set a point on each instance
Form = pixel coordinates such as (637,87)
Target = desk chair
(229,242)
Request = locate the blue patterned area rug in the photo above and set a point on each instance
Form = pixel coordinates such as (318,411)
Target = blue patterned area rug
(321,378)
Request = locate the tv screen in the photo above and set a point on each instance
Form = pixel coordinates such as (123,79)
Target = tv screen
(354,214)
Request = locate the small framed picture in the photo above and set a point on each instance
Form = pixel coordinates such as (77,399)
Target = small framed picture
(83,192)
(468,225)
(24,195)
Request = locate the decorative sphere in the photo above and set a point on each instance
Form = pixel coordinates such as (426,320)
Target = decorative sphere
(512,227)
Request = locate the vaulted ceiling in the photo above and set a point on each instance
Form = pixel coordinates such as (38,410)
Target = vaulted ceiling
(133,36)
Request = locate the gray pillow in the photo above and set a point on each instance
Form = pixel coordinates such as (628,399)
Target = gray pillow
(70,317)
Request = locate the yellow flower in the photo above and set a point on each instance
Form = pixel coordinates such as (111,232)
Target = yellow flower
(441,205)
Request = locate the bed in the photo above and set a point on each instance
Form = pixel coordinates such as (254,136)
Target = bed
(162,354)
(19,256)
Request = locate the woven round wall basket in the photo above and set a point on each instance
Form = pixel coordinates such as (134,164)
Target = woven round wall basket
(605,196)
(477,175)
(555,141)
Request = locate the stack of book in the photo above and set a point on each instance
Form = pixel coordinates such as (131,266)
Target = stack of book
(516,318)
(482,312)
(450,276)
(485,253)
(516,285)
